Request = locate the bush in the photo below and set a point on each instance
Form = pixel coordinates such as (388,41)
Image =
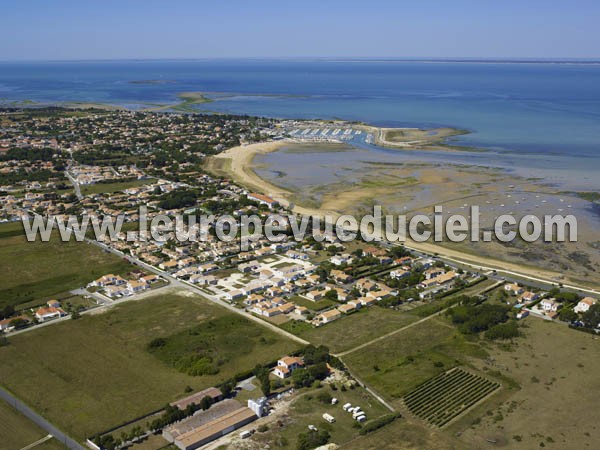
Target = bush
(378,423)
(318,371)
(157,343)
(473,319)
(312,439)
(324,397)
(506,330)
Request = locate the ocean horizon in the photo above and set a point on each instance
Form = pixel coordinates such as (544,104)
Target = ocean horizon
(541,115)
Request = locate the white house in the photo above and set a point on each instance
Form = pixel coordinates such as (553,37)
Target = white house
(529,297)
(584,305)
(398,274)
(116,291)
(135,286)
(286,365)
(329,316)
(339,260)
(514,289)
(235,294)
(550,305)
(43,314)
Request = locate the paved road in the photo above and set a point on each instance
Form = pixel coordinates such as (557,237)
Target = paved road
(192,288)
(511,276)
(40,421)
(75,185)
(181,284)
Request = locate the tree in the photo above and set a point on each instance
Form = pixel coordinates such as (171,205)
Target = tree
(313,355)
(324,397)
(318,371)
(331,294)
(567,315)
(228,387)
(301,378)
(591,318)
(506,330)
(312,439)
(206,403)
(6,312)
(18,323)
(265,386)
(262,375)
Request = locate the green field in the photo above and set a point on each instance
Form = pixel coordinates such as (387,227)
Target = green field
(313,306)
(356,329)
(396,365)
(209,346)
(17,431)
(94,373)
(38,270)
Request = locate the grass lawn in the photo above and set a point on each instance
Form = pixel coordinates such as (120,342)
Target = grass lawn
(396,365)
(209,346)
(17,431)
(319,305)
(308,410)
(109,188)
(94,373)
(39,270)
(355,329)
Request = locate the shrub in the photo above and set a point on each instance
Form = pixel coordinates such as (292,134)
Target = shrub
(506,330)
(324,397)
(379,423)
(312,439)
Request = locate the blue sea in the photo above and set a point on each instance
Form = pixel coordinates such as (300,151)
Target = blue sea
(538,117)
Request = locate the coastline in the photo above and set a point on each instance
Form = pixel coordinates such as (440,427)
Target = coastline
(435,139)
(236,164)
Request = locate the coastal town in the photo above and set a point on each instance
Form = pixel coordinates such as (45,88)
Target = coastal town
(324,296)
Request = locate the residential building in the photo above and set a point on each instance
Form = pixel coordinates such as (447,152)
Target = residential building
(48,313)
(286,365)
(584,305)
(329,316)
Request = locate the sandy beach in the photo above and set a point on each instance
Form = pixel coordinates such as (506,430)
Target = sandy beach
(236,163)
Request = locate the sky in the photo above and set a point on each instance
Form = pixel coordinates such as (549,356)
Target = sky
(148,29)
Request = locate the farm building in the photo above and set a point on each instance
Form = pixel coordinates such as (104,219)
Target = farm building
(206,426)
(214,393)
